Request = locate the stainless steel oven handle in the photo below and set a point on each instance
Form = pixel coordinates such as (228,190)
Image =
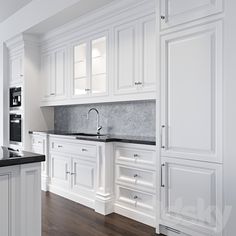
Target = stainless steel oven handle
(15,121)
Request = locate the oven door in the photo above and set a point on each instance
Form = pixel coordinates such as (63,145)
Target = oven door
(15,128)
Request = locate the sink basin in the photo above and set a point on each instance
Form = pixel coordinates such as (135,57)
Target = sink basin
(86,134)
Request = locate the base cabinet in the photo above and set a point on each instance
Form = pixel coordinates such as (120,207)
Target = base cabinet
(8,204)
(60,171)
(191,196)
(73,170)
(83,178)
(20,205)
(135,186)
(39,144)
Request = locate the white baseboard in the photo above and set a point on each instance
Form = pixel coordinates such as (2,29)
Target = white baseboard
(135,215)
(73,197)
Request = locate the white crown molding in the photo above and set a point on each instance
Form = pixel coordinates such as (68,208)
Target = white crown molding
(108,14)
(18,42)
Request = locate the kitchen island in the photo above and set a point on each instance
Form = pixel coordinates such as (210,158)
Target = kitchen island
(20,193)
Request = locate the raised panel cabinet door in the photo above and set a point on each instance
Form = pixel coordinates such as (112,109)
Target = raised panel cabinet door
(60,73)
(16,69)
(191,93)
(182,11)
(41,150)
(191,195)
(46,76)
(60,171)
(148,54)
(30,200)
(8,208)
(81,86)
(83,177)
(126,58)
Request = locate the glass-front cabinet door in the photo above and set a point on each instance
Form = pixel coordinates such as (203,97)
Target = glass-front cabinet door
(81,82)
(90,67)
(99,66)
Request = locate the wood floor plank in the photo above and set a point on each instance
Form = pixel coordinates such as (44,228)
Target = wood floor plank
(62,217)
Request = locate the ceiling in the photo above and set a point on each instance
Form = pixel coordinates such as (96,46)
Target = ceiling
(83,7)
(9,7)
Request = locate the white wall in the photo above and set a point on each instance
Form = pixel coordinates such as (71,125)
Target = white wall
(230,114)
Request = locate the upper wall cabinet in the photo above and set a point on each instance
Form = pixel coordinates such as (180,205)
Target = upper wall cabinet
(135,56)
(105,60)
(191,93)
(16,68)
(182,11)
(90,67)
(54,73)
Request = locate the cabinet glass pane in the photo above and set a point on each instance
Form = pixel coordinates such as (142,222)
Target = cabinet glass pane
(99,65)
(80,86)
(80,69)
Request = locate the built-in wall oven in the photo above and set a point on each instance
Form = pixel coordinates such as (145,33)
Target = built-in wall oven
(15,128)
(15,97)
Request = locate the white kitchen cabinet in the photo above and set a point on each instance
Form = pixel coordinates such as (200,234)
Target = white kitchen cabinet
(135,56)
(191,93)
(141,156)
(16,68)
(183,11)
(126,58)
(54,74)
(90,73)
(135,182)
(73,169)
(20,205)
(60,171)
(39,144)
(83,177)
(191,196)
(8,204)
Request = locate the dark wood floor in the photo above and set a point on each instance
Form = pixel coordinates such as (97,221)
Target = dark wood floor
(62,217)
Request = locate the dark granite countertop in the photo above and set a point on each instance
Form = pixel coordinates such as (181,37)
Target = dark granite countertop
(104,138)
(10,157)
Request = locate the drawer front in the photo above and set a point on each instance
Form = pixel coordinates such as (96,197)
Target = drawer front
(136,200)
(38,141)
(135,156)
(73,148)
(136,178)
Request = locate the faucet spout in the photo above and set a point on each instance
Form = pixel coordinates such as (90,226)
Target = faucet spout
(99,127)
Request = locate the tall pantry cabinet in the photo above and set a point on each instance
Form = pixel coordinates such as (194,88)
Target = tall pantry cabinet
(191,116)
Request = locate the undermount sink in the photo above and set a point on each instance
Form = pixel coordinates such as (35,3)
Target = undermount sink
(86,134)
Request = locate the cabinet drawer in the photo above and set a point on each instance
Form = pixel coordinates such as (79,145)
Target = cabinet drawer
(73,148)
(136,200)
(136,178)
(37,141)
(135,156)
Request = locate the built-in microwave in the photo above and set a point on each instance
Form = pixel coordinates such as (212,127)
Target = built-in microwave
(15,128)
(15,97)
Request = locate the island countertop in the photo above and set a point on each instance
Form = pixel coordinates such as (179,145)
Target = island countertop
(10,157)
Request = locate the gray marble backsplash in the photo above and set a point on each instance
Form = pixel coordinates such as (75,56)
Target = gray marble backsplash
(122,118)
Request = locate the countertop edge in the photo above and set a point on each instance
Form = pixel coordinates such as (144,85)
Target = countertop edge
(22,161)
(105,140)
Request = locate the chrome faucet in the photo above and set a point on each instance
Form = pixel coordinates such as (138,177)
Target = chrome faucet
(99,127)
